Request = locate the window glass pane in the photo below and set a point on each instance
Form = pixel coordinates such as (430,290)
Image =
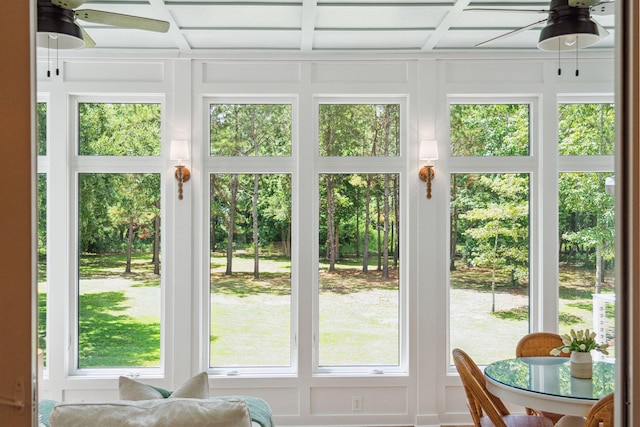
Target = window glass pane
(587,282)
(489,271)
(359,130)
(586,129)
(489,129)
(119,129)
(250,240)
(250,129)
(119,277)
(359,269)
(42,128)
(42,263)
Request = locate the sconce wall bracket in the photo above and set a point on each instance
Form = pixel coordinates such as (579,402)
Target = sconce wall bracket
(183,174)
(426,175)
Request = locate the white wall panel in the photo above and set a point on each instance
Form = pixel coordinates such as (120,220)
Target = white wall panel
(110,71)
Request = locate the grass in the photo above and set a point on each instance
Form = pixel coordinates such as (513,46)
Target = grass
(120,312)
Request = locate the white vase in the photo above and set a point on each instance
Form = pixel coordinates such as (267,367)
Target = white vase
(581,364)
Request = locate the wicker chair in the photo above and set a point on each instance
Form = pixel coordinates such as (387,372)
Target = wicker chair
(540,344)
(601,413)
(485,408)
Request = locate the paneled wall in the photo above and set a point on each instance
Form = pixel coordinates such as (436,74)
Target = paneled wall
(430,394)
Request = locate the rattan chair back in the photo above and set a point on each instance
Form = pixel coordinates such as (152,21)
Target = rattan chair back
(481,402)
(538,344)
(601,413)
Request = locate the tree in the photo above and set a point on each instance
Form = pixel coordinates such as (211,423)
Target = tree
(499,227)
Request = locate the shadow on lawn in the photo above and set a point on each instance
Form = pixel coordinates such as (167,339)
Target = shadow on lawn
(109,340)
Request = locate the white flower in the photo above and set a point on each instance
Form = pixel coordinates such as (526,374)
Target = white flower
(566,350)
(583,347)
(555,352)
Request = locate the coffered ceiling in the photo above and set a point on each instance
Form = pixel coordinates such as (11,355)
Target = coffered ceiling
(306,26)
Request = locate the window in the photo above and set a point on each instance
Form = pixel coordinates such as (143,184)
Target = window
(41,122)
(359,238)
(489,263)
(250,228)
(586,221)
(119,236)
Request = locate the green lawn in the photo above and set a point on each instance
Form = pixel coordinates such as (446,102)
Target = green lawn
(120,313)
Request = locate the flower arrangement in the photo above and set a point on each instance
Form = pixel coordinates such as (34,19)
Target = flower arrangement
(580,341)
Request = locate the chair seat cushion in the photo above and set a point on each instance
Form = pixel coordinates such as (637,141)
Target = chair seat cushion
(519,421)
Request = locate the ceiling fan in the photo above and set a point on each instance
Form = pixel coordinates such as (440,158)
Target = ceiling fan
(568,24)
(57,26)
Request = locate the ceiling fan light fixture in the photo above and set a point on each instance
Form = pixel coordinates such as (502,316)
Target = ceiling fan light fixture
(564,34)
(57,28)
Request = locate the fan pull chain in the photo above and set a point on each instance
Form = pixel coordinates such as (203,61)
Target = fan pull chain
(57,57)
(577,71)
(559,69)
(48,56)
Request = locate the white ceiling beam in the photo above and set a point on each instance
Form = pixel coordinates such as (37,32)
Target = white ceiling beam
(174,30)
(309,10)
(444,25)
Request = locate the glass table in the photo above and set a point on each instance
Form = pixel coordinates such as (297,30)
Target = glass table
(545,383)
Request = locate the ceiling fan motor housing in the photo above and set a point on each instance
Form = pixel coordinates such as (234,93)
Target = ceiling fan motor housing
(568,28)
(57,27)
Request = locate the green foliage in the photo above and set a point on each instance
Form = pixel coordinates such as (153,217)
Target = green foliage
(41,128)
(494,212)
(586,129)
(359,130)
(119,129)
(250,129)
(489,129)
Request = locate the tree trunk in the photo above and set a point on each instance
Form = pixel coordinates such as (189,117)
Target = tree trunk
(385,246)
(330,225)
(599,269)
(367,225)
(129,246)
(233,202)
(256,246)
(453,241)
(156,241)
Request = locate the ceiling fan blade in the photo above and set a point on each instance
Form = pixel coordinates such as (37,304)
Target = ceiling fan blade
(608,8)
(120,20)
(511,33)
(485,9)
(88,41)
(68,4)
(602,31)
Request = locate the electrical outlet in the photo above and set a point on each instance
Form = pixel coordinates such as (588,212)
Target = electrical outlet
(356,403)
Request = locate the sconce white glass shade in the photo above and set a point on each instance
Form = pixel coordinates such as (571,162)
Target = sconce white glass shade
(610,185)
(179,150)
(428,150)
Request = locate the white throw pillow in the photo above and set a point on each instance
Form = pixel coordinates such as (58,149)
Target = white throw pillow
(196,387)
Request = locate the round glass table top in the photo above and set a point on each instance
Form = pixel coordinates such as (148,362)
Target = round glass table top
(551,376)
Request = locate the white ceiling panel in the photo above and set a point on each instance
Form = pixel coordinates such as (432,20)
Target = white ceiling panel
(379,17)
(308,25)
(249,39)
(224,16)
(367,40)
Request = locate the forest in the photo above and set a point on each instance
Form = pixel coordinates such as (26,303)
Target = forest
(250,228)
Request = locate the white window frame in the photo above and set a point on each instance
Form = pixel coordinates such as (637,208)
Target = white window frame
(248,165)
(525,164)
(111,165)
(377,165)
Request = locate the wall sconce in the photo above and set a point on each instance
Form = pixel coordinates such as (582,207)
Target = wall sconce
(428,153)
(180,151)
